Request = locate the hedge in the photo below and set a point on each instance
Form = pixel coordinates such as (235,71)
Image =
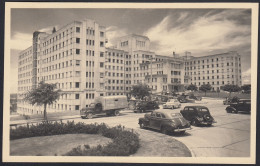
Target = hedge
(124,142)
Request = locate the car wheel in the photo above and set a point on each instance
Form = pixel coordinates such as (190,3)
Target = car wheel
(141,124)
(89,115)
(182,132)
(116,112)
(235,111)
(164,131)
(83,117)
(193,122)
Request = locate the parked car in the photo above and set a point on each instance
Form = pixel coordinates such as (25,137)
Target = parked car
(185,99)
(195,97)
(111,105)
(144,106)
(241,105)
(165,121)
(172,103)
(227,101)
(197,115)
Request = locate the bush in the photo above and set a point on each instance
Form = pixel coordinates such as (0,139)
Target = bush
(124,142)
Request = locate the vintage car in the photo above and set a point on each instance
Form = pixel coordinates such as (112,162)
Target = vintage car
(166,121)
(227,101)
(145,106)
(172,103)
(195,97)
(230,100)
(185,99)
(241,105)
(197,115)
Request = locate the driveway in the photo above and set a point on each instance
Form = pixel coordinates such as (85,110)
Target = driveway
(229,137)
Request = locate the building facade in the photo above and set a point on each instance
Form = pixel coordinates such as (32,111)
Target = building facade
(75,57)
(216,70)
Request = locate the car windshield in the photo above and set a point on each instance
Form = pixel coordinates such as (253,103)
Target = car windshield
(174,115)
(92,105)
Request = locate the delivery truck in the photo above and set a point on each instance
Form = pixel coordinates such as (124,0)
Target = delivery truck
(110,105)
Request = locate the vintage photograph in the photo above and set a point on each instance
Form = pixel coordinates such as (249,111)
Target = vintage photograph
(132,82)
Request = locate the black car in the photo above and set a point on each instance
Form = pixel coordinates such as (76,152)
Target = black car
(197,115)
(166,121)
(144,106)
(241,105)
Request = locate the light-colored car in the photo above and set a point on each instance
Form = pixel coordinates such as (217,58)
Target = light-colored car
(172,103)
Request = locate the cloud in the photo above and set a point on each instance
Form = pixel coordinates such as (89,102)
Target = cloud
(206,32)
(182,16)
(113,32)
(21,41)
(246,77)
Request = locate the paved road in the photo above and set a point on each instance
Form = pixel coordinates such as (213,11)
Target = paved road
(229,137)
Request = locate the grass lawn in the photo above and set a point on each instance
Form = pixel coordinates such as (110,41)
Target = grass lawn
(54,145)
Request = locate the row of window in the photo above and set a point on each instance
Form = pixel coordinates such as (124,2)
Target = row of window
(212,77)
(213,83)
(217,65)
(29,59)
(29,52)
(208,60)
(29,73)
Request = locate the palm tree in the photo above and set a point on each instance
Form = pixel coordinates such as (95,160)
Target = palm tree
(45,94)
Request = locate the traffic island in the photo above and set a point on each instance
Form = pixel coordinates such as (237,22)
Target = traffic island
(123,142)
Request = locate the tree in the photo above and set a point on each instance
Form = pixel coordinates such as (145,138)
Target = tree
(246,88)
(205,88)
(230,88)
(140,91)
(45,94)
(192,87)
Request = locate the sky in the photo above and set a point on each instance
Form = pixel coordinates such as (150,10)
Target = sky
(199,31)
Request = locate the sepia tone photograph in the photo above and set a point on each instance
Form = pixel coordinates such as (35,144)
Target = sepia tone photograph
(134,83)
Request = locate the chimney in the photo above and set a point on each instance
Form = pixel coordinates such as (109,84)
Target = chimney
(53,30)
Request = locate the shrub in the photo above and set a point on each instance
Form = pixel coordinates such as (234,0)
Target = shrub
(124,142)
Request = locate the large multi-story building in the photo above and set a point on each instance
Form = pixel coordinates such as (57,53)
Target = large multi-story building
(75,57)
(216,70)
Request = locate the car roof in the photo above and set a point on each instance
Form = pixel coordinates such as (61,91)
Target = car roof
(245,99)
(197,106)
(166,111)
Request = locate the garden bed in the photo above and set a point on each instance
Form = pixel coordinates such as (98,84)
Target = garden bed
(124,142)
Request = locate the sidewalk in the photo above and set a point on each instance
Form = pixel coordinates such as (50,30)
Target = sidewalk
(37,120)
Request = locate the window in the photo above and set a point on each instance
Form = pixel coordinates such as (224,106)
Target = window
(76,96)
(101,64)
(77,40)
(101,54)
(101,75)
(77,62)
(78,29)
(77,51)
(77,73)
(77,84)
(76,107)
(101,34)
(101,44)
